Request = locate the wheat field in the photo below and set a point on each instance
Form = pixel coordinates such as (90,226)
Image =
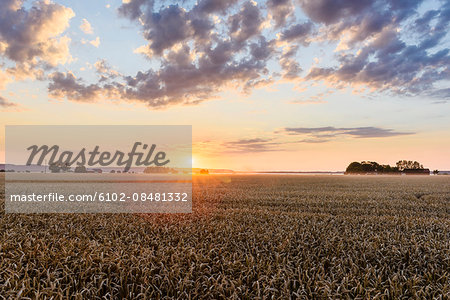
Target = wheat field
(249,236)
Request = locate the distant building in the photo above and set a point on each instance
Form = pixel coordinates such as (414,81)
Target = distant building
(416,171)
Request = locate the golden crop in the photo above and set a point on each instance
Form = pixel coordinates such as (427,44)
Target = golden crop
(249,237)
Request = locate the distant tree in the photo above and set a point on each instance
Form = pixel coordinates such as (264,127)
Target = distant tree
(158,170)
(57,167)
(401,164)
(54,168)
(435,172)
(65,167)
(80,169)
(369,167)
(408,164)
(204,172)
(386,169)
(354,167)
(112,171)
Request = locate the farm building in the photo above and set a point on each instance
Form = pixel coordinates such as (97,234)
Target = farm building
(416,171)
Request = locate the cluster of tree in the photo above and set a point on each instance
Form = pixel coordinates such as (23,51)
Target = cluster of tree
(370,167)
(59,167)
(408,164)
(80,169)
(204,172)
(160,170)
(374,167)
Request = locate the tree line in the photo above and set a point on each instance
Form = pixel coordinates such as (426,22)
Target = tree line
(374,167)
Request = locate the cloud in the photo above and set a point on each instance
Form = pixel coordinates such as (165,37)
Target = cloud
(166,28)
(387,63)
(356,132)
(252,145)
(357,20)
(67,85)
(86,27)
(249,141)
(289,138)
(105,70)
(33,37)
(316,99)
(440,93)
(202,48)
(330,11)
(290,38)
(196,61)
(288,63)
(132,9)
(373,50)
(214,6)
(184,78)
(4,80)
(298,33)
(247,23)
(313,141)
(6,104)
(173,24)
(280,11)
(96,42)
(373,132)
(439,102)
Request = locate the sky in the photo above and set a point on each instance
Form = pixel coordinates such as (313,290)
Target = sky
(266,85)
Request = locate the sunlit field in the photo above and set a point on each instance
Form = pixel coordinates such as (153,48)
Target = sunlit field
(265,236)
